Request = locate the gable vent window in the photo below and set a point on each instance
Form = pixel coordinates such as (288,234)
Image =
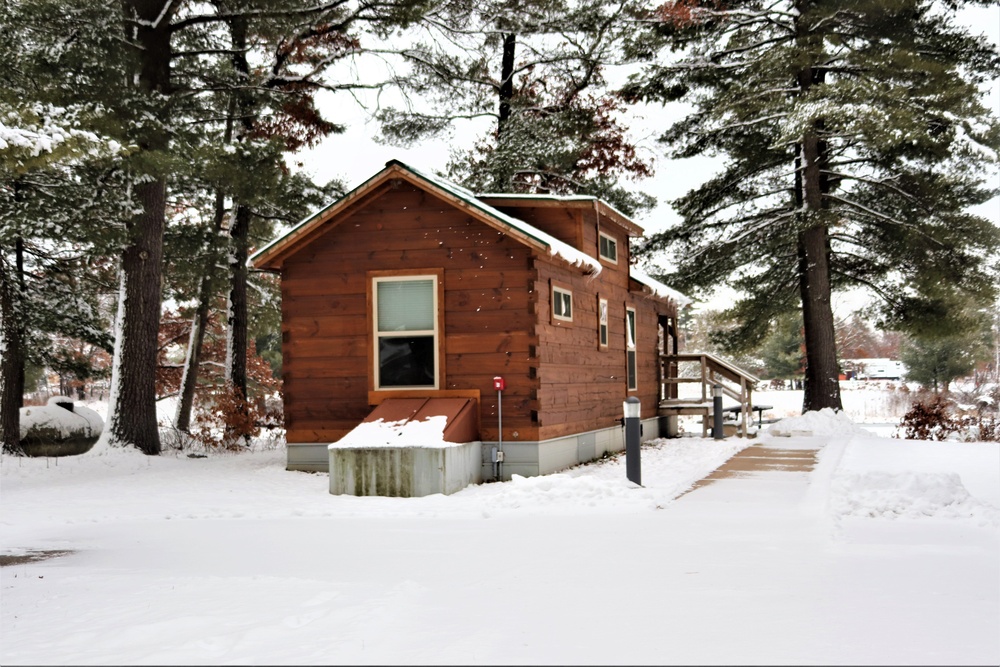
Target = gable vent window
(608,248)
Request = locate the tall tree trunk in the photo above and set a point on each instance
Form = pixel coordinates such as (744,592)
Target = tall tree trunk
(12,357)
(132,413)
(192,366)
(506,80)
(237,339)
(189,378)
(236,350)
(822,383)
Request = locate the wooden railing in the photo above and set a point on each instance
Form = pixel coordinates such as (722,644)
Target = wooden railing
(710,370)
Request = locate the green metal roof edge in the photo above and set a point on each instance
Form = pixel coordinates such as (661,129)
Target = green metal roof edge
(553,245)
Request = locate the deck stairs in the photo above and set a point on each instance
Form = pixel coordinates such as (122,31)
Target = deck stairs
(680,372)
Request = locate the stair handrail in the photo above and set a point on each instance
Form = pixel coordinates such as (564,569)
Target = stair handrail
(710,365)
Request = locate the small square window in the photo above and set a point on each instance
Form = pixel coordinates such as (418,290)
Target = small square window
(562,304)
(608,247)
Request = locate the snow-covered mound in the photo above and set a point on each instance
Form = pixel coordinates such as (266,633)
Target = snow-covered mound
(54,422)
(908,495)
(381,433)
(817,422)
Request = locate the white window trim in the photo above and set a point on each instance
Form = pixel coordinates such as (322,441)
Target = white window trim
(562,290)
(614,243)
(405,334)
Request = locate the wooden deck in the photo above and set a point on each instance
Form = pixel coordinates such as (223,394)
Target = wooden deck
(706,370)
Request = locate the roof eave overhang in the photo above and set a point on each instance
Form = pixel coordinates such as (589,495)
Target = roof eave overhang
(601,207)
(273,254)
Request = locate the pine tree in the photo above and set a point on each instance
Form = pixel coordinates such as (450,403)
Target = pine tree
(936,358)
(781,351)
(937,362)
(855,140)
(61,197)
(269,110)
(536,70)
(150,70)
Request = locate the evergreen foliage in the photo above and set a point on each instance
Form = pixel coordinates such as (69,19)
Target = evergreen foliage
(936,361)
(197,104)
(855,140)
(63,200)
(536,70)
(781,351)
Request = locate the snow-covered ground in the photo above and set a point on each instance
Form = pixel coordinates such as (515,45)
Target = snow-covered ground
(888,552)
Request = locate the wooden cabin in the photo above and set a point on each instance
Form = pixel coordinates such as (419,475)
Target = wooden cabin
(413,287)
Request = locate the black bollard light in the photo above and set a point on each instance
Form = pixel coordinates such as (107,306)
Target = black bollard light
(633,466)
(717,412)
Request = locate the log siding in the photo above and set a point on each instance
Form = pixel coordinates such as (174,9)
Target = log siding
(494,308)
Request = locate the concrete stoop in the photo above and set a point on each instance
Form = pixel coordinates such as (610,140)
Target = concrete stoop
(758,459)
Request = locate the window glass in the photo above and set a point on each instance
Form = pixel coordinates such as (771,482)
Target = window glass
(562,304)
(405,332)
(405,305)
(630,360)
(406,361)
(608,247)
(602,307)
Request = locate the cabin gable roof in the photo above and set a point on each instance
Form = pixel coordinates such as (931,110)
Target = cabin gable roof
(604,210)
(273,254)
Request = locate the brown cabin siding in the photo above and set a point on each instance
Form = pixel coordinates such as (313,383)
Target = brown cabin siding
(488,320)
(496,319)
(583,385)
(564,223)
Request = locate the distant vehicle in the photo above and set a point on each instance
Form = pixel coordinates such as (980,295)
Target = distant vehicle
(876,369)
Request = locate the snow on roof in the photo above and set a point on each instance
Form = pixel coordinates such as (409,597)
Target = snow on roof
(555,247)
(545,196)
(562,198)
(403,433)
(659,289)
(552,197)
(53,419)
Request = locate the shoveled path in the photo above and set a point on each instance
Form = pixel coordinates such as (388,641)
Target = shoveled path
(763,458)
